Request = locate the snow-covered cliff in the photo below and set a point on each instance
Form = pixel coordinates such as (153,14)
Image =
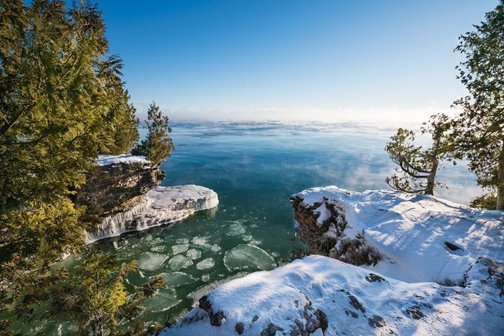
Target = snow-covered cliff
(123,195)
(159,206)
(405,236)
(322,296)
(407,265)
(117,184)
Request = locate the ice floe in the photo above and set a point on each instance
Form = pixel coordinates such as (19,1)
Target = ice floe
(248,257)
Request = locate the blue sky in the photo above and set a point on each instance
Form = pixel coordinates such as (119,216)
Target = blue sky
(292,60)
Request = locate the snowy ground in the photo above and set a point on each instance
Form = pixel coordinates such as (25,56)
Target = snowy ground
(419,238)
(159,206)
(323,296)
(425,247)
(105,160)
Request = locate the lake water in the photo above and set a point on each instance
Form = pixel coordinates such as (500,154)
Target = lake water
(254,168)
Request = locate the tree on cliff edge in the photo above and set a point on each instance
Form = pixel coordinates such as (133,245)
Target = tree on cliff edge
(418,167)
(480,126)
(158,145)
(62,101)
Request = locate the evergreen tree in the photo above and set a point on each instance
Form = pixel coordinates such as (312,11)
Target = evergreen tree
(158,145)
(121,121)
(62,101)
(418,167)
(95,296)
(486,201)
(480,126)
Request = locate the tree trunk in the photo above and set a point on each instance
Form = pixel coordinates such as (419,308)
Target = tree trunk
(431,179)
(500,181)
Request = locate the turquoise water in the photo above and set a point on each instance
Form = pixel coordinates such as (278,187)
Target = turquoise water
(254,168)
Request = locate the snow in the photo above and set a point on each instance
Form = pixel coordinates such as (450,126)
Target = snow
(323,213)
(180,248)
(162,300)
(324,296)
(105,160)
(440,273)
(413,232)
(159,206)
(236,229)
(176,279)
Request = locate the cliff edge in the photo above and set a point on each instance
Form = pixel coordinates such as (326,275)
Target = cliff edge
(390,264)
(123,195)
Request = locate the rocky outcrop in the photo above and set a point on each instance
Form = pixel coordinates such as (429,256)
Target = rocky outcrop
(323,296)
(117,184)
(427,266)
(161,205)
(123,195)
(405,236)
(322,225)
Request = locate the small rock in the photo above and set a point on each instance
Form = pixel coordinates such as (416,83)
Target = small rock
(271,330)
(371,277)
(205,304)
(415,312)
(351,313)
(356,304)
(376,321)
(324,321)
(452,246)
(239,328)
(216,318)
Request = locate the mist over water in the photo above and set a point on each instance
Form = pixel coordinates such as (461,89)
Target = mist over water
(254,168)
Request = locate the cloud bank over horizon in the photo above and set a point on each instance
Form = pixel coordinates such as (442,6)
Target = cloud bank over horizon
(381,116)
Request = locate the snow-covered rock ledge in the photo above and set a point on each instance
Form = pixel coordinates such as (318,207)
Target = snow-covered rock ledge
(408,237)
(158,206)
(322,296)
(426,267)
(117,183)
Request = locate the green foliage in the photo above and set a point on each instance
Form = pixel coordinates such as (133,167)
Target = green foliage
(62,101)
(93,296)
(158,145)
(486,201)
(121,122)
(480,126)
(418,166)
(44,230)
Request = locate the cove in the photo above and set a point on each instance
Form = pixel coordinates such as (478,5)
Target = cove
(254,168)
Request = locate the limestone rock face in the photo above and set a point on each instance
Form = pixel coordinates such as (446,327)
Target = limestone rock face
(161,205)
(322,225)
(408,237)
(124,195)
(118,183)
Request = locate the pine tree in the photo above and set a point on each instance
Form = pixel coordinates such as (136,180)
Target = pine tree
(418,167)
(95,296)
(62,101)
(158,145)
(480,126)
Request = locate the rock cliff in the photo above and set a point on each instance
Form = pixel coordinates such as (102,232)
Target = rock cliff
(158,206)
(398,264)
(117,184)
(405,236)
(124,195)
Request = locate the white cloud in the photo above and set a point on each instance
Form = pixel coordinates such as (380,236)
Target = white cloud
(390,116)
